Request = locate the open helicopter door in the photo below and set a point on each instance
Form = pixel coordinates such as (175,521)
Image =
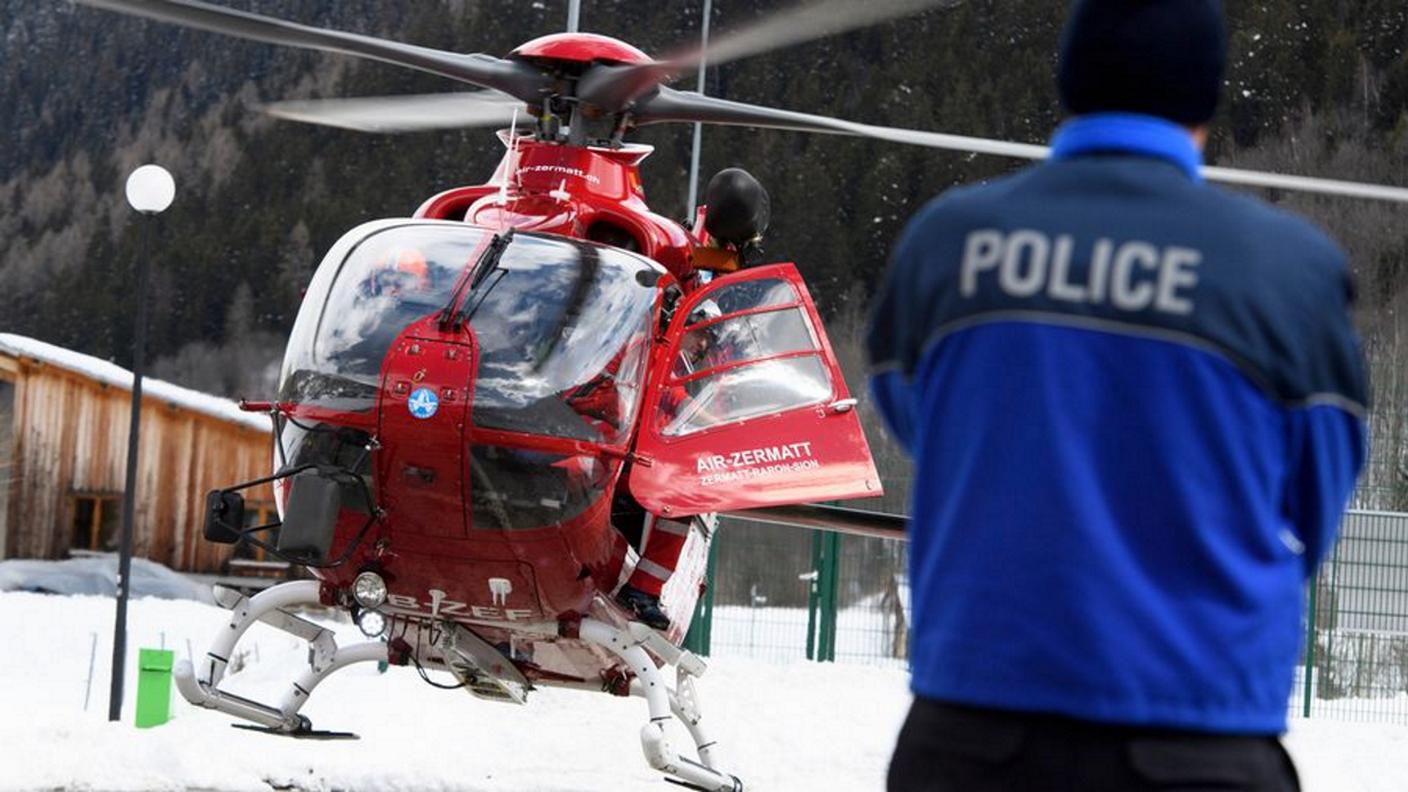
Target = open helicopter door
(748,407)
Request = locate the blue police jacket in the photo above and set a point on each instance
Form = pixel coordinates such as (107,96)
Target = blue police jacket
(1135,403)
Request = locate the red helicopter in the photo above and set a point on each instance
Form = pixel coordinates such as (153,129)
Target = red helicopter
(491,410)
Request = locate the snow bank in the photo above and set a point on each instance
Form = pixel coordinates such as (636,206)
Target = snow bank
(98,576)
(801,726)
(115,375)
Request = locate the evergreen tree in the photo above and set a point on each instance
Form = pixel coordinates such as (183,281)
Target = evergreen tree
(1314,86)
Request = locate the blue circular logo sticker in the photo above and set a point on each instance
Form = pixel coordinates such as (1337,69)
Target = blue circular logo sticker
(423,403)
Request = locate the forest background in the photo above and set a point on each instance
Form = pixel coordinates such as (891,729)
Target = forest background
(1314,87)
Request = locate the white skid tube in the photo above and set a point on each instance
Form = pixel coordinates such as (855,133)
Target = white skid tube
(324,656)
(663,703)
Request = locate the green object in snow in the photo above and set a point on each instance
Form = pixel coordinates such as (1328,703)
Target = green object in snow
(154,687)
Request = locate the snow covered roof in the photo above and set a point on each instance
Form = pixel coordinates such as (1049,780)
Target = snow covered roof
(112,374)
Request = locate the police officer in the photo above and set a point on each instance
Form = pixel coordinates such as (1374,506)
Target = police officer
(1135,404)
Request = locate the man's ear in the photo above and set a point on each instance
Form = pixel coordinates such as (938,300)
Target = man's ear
(1200,135)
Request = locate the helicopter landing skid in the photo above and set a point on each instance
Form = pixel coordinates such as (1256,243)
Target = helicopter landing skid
(630,645)
(324,656)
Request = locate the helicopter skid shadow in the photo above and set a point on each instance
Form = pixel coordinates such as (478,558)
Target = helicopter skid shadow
(309,734)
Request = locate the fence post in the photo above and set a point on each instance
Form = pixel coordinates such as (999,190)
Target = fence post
(1310,644)
(813,593)
(701,627)
(821,597)
(830,579)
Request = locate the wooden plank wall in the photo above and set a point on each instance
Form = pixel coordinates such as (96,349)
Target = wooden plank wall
(72,438)
(9,372)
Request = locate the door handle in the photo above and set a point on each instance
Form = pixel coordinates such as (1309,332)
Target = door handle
(842,405)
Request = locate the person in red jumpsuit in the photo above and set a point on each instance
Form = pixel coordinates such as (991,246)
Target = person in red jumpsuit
(664,540)
(736,215)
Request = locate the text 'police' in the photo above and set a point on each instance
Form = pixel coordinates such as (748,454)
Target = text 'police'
(1130,276)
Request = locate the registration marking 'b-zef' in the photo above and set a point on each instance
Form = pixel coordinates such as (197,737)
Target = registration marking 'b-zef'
(448,608)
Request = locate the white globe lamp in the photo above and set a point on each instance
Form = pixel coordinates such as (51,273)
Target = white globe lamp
(150,189)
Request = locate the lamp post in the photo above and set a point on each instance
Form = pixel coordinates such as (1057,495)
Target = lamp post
(698,127)
(574,13)
(150,189)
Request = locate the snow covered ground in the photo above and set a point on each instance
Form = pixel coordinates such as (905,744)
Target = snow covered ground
(797,726)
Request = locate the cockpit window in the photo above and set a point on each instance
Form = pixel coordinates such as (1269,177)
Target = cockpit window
(365,293)
(563,329)
(562,326)
(748,351)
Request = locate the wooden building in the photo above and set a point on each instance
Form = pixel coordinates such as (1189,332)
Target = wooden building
(63,455)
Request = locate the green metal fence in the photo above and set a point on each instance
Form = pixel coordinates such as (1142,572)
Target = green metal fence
(1356,654)
(780,594)
(759,592)
(787,595)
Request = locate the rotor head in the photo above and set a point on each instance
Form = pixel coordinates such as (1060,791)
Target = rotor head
(584,48)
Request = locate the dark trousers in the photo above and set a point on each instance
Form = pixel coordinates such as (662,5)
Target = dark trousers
(944,747)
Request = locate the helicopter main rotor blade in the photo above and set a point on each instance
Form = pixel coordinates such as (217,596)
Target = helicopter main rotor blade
(800,24)
(668,104)
(1310,184)
(611,87)
(408,113)
(517,79)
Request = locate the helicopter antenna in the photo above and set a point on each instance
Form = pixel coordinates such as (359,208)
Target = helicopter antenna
(511,162)
(510,169)
(513,148)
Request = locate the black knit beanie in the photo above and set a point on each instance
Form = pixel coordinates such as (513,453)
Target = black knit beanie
(1158,57)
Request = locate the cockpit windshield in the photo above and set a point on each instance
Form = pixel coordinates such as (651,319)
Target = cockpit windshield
(562,326)
(563,329)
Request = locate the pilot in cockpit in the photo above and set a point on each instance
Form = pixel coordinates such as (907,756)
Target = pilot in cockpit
(398,288)
(402,272)
(701,348)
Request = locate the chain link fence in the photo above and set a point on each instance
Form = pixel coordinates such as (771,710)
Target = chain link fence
(760,590)
(781,594)
(785,595)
